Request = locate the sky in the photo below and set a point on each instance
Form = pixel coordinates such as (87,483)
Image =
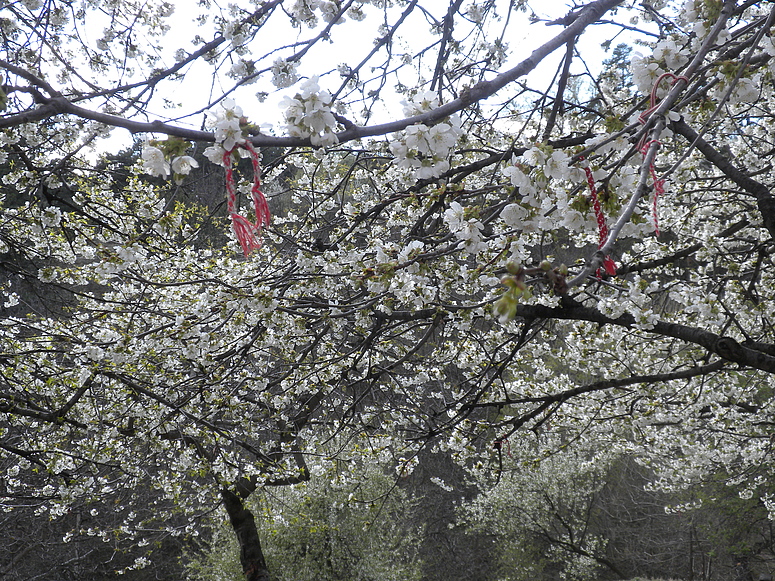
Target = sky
(350,40)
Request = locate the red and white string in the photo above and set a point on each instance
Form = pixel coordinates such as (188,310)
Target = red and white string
(248,234)
(644,144)
(602,227)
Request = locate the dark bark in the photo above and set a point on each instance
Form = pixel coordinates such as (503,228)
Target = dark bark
(725,347)
(244,525)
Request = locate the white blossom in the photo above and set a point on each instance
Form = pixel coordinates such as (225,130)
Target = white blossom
(232,33)
(154,161)
(475,13)
(182,165)
(308,114)
(454,216)
(747,90)
(215,154)
(329,11)
(645,72)
(513,215)
(284,73)
(226,124)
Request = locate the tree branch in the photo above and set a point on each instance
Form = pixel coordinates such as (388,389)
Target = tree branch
(725,347)
(606,384)
(561,85)
(244,524)
(688,251)
(58,105)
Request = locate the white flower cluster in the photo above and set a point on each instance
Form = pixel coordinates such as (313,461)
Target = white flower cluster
(544,200)
(155,163)
(441,484)
(421,149)
(420,103)
(308,114)
(232,33)
(475,13)
(284,73)
(697,13)
(305,11)
(636,301)
(645,72)
(667,51)
(747,90)
(12,299)
(243,70)
(555,165)
(468,231)
(225,123)
(666,57)
(495,52)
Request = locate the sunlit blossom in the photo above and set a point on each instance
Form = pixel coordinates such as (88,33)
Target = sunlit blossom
(154,161)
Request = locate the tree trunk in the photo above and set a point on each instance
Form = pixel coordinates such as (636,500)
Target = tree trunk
(244,525)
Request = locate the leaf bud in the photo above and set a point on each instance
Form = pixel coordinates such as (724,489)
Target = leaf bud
(505,308)
(514,268)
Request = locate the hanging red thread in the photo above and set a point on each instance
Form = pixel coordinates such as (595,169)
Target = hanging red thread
(248,233)
(498,445)
(659,185)
(602,227)
(644,143)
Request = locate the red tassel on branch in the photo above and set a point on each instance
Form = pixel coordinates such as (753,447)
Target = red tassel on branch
(608,264)
(644,144)
(248,233)
(659,185)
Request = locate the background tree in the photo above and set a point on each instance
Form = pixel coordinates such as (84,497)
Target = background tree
(634,238)
(347,524)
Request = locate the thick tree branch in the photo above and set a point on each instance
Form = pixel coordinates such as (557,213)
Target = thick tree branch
(676,256)
(484,89)
(607,384)
(725,347)
(58,105)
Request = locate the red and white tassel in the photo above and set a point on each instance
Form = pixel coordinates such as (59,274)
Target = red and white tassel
(608,264)
(248,234)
